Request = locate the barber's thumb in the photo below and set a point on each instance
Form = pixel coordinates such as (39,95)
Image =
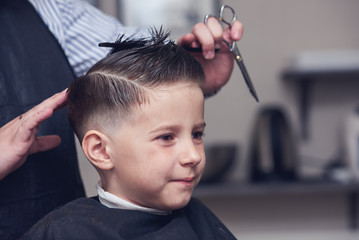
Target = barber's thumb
(45,143)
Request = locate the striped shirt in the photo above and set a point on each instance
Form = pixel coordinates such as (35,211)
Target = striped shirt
(79,27)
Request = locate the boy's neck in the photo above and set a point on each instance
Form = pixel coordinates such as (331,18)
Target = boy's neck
(112,201)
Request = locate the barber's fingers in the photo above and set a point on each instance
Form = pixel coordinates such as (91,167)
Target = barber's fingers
(233,33)
(188,40)
(236,32)
(42,111)
(215,29)
(207,36)
(210,35)
(30,121)
(55,102)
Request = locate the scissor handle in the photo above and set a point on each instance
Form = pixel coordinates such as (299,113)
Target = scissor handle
(221,16)
(225,19)
(208,16)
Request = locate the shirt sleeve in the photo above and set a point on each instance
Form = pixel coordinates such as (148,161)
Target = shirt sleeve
(79,28)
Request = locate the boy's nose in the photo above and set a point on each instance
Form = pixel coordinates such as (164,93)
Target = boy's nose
(192,155)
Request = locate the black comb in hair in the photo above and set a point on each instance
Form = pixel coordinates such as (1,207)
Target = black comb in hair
(120,44)
(157,36)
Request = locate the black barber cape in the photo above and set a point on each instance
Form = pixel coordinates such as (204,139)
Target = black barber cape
(33,67)
(87,218)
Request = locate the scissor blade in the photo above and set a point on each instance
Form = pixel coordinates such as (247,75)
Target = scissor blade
(247,79)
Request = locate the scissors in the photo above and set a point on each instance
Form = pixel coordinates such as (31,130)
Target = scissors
(228,20)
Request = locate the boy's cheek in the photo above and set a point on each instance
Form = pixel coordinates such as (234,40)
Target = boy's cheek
(202,168)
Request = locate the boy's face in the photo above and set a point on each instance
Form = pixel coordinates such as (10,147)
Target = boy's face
(158,154)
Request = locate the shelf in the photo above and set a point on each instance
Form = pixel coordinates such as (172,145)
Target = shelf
(309,67)
(316,65)
(240,189)
(237,189)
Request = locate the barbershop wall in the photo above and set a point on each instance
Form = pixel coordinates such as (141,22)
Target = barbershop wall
(275,31)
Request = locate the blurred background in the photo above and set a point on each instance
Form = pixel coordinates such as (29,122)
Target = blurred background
(288,166)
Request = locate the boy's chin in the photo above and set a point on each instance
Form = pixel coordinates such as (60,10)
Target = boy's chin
(176,204)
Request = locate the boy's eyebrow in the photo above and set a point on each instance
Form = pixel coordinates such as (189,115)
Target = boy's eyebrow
(176,127)
(201,125)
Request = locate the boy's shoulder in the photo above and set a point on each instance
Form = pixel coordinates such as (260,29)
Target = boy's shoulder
(79,208)
(205,222)
(65,222)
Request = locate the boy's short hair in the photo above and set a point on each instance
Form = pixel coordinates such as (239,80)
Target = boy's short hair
(117,83)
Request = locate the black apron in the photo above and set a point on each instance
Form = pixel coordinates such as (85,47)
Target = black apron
(88,219)
(33,67)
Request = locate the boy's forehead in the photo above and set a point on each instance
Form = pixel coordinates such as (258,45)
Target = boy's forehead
(178,90)
(168,99)
(174,87)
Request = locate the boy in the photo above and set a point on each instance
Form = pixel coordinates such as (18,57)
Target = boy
(139,114)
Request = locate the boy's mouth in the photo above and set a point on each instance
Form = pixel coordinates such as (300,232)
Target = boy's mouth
(188,181)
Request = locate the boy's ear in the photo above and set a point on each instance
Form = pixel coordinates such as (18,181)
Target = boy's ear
(95,147)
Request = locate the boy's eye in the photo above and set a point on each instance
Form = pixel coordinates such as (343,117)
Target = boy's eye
(166,138)
(197,135)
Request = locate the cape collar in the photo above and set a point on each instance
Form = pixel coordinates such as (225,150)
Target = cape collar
(111,201)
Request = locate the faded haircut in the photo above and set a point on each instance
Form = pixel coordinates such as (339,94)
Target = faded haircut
(120,81)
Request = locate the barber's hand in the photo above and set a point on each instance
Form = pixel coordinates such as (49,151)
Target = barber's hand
(18,137)
(218,66)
